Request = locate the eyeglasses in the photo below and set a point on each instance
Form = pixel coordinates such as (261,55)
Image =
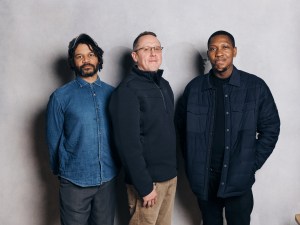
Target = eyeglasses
(148,49)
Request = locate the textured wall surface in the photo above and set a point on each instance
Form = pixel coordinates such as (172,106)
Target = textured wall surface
(33,47)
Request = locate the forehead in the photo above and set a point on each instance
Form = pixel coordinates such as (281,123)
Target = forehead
(82,48)
(148,40)
(218,39)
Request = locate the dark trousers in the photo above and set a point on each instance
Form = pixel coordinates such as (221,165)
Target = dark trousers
(237,209)
(87,205)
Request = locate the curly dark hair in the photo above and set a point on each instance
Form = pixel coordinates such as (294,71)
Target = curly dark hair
(84,39)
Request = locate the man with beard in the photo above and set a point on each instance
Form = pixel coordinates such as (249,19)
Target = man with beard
(79,139)
(229,125)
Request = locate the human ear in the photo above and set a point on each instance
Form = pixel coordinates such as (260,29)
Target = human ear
(234,52)
(134,56)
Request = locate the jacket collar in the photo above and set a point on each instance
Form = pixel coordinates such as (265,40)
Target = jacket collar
(235,79)
(148,74)
(81,82)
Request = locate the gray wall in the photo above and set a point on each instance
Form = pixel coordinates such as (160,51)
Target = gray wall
(33,46)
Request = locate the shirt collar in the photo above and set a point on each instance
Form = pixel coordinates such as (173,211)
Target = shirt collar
(235,79)
(82,82)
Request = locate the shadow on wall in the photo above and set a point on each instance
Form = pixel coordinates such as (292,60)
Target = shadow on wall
(117,64)
(49,210)
(50,184)
(62,71)
(183,62)
(126,63)
(185,197)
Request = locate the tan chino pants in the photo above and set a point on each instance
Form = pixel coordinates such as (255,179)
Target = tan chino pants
(160,213)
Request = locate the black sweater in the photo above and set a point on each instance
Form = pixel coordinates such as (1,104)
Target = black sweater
(142,111)
(218,144)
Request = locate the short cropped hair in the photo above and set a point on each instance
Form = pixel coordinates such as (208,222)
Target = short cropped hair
(222,32)
(141,35)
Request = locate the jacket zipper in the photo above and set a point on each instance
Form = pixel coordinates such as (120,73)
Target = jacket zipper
(162,95)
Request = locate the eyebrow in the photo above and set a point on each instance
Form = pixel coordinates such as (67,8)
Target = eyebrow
(83,53)
(222,43)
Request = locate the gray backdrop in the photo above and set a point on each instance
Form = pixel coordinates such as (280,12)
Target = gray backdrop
(33,47)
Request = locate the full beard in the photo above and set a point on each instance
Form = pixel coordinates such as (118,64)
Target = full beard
(80,71)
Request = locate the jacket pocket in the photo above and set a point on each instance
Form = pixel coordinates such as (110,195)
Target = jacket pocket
(243,116)
(197,118)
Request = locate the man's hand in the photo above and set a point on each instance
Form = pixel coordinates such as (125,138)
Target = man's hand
(150,199)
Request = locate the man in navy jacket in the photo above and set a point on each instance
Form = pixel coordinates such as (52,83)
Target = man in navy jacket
(228,125)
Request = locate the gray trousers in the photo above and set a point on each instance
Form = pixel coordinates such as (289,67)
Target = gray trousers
(87,205)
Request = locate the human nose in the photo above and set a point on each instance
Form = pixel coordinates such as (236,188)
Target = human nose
(85,59)
(219,51)
(152,50)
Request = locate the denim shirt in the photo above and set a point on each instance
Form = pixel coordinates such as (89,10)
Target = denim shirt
(78,133)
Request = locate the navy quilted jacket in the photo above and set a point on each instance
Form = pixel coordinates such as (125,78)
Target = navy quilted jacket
(252,127)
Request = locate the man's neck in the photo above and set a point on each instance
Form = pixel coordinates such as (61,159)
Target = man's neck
(224,74)
(91,79)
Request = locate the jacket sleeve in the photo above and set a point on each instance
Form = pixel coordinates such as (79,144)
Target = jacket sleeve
(180,121)
(124,110)
(268,126)
(54,130)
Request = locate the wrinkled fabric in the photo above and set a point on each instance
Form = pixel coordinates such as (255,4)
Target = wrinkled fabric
(78,133)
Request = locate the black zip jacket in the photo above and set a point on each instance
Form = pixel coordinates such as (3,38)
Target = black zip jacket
(142,111)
